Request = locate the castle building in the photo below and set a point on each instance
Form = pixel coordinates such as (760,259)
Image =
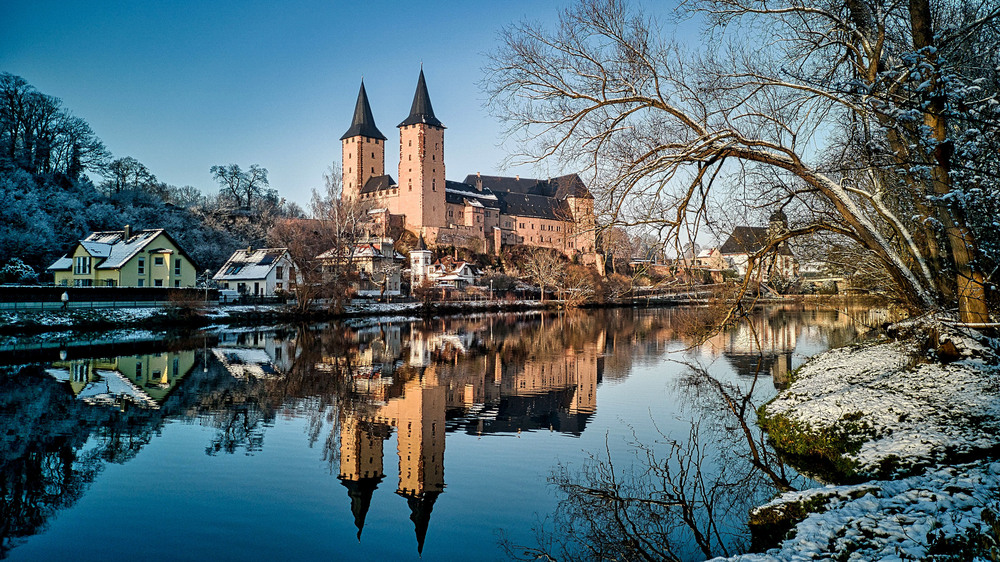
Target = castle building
(483,213)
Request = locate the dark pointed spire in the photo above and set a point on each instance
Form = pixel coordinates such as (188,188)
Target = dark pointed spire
(363,124)
(421,245)
(420,513)
(360,492)
(421,110)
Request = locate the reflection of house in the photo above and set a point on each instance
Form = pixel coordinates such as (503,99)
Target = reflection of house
(144,380)
(746,241)
(258,272)
(122,258)
(254,355)
(483,212)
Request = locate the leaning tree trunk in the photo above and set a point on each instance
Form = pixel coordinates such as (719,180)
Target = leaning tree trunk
(970,283)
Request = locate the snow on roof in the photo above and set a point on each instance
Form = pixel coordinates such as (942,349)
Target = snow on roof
(250,264)
(113,385)
(246,362)
(111,247)
(121,250)
(62,263)
(97,249)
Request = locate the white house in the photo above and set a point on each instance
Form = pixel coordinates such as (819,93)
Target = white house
(260,272)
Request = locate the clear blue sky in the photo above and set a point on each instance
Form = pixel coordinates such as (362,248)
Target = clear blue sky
(183,85)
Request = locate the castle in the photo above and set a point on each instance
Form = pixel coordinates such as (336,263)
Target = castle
(483,213)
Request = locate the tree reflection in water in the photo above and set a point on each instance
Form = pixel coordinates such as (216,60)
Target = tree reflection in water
(680,497)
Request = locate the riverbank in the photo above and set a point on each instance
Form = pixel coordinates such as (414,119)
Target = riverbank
(34,322)
(910,429)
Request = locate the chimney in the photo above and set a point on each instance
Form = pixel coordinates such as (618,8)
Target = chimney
(518,177)
(127,233)
(479,182)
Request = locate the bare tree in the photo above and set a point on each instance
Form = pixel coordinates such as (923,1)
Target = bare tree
(545,267)
(127,173)
(321,246)
(658,127)
(242,186)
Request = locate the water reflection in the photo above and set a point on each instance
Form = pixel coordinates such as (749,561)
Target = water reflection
(359,389)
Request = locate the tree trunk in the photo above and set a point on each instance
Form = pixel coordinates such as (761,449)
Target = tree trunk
(961,243)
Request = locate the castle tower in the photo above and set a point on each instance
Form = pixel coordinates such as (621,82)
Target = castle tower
(421,163)
(363,147)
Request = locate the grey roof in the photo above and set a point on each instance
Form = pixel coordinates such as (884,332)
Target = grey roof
(378,183)
(537,206)
(750,239)
(421,245)
(111,247)
(421,110)
(363,124)
(250,264)
(560,187)
(458,193)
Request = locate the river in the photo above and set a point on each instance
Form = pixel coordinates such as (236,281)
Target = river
(482,437)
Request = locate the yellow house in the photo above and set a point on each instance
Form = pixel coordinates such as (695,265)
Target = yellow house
(122,258)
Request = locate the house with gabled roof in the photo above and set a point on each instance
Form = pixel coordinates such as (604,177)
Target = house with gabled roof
(260,272)
(483,213)
(378,264)
(745,241)
(123,258)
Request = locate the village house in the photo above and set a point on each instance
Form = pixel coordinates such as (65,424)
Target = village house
(260,272)
(483,213)
(379,266)
(122,258)
(749,240)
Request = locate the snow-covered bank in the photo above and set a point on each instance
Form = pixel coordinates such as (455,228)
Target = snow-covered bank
(922,414)
(895,404)
(948,512)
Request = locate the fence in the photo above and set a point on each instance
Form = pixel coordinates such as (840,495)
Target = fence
(49,297)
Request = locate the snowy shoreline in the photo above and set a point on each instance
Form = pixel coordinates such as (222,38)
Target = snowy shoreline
(919,419)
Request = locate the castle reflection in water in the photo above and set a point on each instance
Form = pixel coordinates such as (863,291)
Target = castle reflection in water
(418,381)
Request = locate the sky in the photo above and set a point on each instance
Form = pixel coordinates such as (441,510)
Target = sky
(184,85)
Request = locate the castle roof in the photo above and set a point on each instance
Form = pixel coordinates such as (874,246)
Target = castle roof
(560,187)
(378,183)
(421,110)
(363,124)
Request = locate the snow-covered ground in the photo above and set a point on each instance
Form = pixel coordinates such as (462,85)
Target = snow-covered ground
(914,412)
(908,519)
(919,415)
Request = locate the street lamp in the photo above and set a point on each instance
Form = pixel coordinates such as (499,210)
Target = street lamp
(491,289)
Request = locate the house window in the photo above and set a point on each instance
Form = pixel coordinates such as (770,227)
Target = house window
(177,283)
(82,265)
(279,272)
(279,287)
(177,266)
(158,260)
(142,283)
(109,283)
(142,266)
(138,371)
(158,282)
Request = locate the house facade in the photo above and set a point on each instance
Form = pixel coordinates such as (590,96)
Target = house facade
(749,240)
(262,272)
(378,265)
(123,258)
(483,213)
